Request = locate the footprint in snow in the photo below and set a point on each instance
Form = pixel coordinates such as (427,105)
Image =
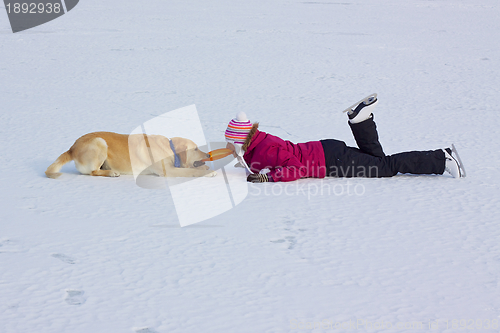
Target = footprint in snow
(145,330)
(291,242)
(290,239)
(64,258)
(74,297)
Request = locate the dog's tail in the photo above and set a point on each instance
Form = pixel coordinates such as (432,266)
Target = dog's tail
(53,169)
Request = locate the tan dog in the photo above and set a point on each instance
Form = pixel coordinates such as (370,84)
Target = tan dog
(110,154)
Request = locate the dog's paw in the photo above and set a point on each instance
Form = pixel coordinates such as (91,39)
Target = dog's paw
(114,173)
(211,174)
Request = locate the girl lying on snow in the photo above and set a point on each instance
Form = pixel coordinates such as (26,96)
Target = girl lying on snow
(273,159)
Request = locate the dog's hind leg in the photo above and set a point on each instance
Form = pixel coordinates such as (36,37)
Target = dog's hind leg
(105,173)
(90,158)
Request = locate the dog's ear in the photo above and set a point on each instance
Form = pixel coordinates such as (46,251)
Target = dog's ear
(183,156)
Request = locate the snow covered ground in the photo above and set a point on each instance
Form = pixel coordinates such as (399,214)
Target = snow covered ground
(91,254)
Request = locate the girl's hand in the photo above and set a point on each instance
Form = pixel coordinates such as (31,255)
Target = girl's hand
(257,178)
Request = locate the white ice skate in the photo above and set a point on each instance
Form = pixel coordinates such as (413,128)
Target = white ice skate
(454,165)
(362,110)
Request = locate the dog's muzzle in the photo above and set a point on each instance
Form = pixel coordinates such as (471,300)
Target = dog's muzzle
(198,163)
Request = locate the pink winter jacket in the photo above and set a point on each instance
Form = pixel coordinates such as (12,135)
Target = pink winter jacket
(286,160)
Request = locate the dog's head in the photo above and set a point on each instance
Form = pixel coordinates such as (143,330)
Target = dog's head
(189,153)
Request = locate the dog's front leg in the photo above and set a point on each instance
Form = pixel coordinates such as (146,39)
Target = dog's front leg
(203,167)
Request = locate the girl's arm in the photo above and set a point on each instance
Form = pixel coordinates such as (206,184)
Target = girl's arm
(285,166)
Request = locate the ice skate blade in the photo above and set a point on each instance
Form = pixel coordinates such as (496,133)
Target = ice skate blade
(366,99)
(461,166)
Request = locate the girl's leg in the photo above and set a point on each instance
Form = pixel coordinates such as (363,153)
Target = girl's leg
(343,161)
(358,164)
(418,162)
(366,136)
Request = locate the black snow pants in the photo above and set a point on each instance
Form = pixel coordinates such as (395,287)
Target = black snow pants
(370,161)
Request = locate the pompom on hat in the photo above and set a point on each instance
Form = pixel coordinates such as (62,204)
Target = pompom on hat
(237,131)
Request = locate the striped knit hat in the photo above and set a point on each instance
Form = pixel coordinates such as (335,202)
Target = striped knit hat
(238,129)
